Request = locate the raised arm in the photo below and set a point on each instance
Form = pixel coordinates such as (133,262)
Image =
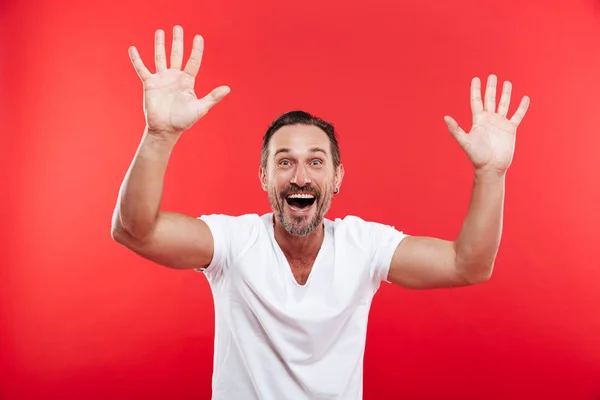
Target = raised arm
(170,107)
(426,262)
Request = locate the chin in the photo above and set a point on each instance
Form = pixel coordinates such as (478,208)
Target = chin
(300,230)
(302,224)
(299,219)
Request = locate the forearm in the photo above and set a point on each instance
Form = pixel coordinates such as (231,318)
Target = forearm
(140,195)
(477,244)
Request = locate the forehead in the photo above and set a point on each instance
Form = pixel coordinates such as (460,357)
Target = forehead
(299,138)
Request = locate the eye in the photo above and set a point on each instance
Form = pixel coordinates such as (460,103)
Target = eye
(284,163)
(316,162)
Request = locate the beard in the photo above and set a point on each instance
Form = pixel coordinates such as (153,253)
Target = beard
(300,225)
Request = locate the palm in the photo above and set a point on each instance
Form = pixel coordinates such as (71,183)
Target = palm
(170,104)
(169,101)
(491,142)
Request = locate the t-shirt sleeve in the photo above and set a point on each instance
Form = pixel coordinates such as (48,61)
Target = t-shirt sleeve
(385,240)
(231,235)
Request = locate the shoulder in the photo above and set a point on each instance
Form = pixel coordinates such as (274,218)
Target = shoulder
(232,236)
(222,220)
(354,224)
(227,218)
(351,230)
(236,226)
(361,230)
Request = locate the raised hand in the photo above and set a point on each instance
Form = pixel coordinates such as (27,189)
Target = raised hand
(170,104)
(491,142)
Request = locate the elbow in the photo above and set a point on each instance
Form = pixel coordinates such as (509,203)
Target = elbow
(117,233)
(481,277)
(472,268)
(126,235)
(475,274)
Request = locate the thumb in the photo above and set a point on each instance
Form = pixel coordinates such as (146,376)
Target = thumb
(454,129)
(215,96)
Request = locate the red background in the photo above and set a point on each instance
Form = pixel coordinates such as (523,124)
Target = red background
(83,318)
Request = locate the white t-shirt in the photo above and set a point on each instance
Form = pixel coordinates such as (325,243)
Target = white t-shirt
(276,339)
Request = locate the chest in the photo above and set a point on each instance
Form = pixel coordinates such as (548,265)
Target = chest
(309,293)
(301,268)
(333,276)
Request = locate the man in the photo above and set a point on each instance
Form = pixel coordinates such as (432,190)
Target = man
(292,289)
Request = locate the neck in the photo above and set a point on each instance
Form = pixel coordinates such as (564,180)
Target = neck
(298,247)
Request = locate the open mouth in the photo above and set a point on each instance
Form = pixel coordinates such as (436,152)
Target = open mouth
(300,201)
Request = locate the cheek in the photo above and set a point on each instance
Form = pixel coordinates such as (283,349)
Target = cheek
(328,183)
(274,187)
(279,180)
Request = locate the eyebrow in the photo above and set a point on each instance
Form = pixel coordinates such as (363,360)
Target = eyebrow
(312,150)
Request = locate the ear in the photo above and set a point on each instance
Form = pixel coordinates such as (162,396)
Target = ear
(339,177)
(262,176)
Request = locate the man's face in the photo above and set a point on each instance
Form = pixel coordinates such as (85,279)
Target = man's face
(300,177)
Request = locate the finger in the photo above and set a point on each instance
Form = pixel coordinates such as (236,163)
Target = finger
(138,64)
(520,113)
(160,58)
(210,100)
(455,129)
(490,94)
(505,98)
(193,64)
(476,105)
(177,50)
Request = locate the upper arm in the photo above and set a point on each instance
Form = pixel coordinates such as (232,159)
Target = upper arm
(177,241)
(425,263)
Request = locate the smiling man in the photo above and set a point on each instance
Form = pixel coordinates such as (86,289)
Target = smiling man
(305,158)
(292,289)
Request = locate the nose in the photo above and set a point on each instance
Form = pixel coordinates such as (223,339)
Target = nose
(301,176)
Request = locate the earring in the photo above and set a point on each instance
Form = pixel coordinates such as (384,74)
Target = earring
(336,191)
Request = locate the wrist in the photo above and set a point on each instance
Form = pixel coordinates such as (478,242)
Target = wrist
(163,132)
(490,172)
(159,142)
(489,175)
(162,136)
